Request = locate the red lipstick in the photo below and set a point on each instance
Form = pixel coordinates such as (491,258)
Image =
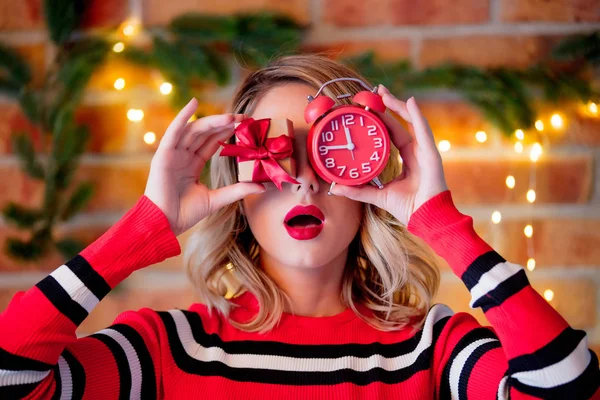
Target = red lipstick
(304,222)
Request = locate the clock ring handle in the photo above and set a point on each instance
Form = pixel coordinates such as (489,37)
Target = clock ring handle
(374,89)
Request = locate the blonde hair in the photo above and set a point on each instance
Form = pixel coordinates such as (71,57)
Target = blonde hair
(387,271)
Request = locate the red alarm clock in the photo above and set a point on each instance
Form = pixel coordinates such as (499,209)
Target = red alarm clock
(347,144)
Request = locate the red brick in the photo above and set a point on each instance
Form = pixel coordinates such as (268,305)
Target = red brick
(564,180)
(403,12)
(117,187)
(556,242)
(356,13)
(108,126)
(385,49)
(455,121)
(156,13)
(544,10)
(20,15)
(487,50)
(439,12)
(579,311)
(105,13)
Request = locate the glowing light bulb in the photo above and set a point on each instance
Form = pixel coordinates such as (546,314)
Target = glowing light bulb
(539,125)
(496,217)
(481,136)
(548,294)
(557,121)
(135,115)
(119,84)
(536,152)
(166,88)
(528,231)
(531,264)
(520,134)
(592,108)
(510,182)
(444,145)
(149,137)
(519,147)
(531,195)
(119,47)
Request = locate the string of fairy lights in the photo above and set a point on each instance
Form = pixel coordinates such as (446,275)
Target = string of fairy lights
(557,122)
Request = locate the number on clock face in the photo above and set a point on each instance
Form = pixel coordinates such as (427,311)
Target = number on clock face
(351,145)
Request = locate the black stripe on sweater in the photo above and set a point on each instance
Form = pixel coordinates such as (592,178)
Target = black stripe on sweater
(482,264)
(297,350)
(216,368)
(121,361)
(463,380)
(503,291)
(78,376)
(583,387)
(15,362)
(556,350)
(472,336)
(148,390)
(90,278)
(17,391)
(61,300)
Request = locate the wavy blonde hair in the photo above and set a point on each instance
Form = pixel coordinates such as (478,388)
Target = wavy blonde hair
(387,271)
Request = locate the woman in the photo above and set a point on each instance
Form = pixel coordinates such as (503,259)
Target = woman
(346,314)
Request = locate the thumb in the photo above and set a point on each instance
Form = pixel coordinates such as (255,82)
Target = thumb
(226,195)
(366,194)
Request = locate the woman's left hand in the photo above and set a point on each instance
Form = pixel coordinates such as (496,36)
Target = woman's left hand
(422,174)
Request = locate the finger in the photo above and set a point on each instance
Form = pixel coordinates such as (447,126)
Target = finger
(394,103)
(399,136)
(202,126)
(172,134)
(423,132)
(210,145)
(366,194)
(226,195)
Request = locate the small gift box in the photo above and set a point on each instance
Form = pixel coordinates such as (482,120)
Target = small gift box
(264,151)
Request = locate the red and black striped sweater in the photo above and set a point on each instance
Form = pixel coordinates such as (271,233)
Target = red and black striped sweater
(529,352)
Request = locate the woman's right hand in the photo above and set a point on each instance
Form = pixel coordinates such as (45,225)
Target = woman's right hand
(178,162)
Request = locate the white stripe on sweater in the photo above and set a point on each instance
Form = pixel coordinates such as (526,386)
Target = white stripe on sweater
(491,279)
(135,368)
(458,364)
(10,378)
(75,287)
(283,363)
(66,379)
(564,371)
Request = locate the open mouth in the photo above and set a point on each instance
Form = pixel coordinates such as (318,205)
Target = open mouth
(304,221)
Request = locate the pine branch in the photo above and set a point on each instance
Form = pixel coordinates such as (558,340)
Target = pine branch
(78,200)
(204,28)
(13,67)
(26,153)
(20,216)
(69,247)
(63,17)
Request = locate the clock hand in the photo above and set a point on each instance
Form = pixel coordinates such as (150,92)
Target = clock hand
(349,139)
(344,147)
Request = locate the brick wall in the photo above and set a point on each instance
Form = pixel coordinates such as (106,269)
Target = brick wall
(565,216)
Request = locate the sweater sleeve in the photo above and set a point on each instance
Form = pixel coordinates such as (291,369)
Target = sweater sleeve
(40,354)
(529,352)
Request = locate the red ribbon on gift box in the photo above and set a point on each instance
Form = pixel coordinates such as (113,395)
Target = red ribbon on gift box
(254,145)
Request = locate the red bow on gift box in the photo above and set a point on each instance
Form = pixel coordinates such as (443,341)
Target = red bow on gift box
(254,145)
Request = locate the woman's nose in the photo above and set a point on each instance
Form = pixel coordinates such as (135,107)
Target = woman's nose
(308,180)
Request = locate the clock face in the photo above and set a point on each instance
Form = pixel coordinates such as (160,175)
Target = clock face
(349,146)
